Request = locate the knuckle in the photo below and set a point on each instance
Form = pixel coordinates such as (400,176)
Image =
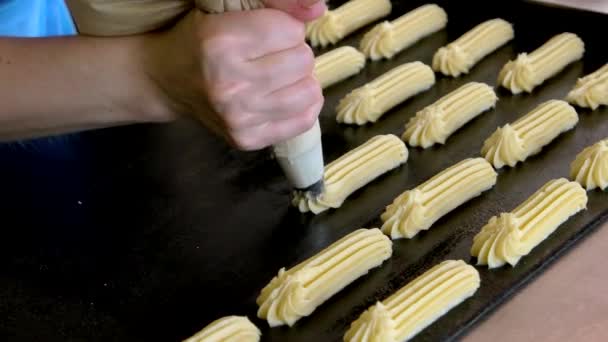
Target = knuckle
(246,142)
(308,58)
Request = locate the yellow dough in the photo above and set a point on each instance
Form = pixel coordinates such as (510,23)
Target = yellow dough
(462,54)
(340,22)
(417,209)
(338,65)
(297,292)
(508,237)
(416,305)
(591,91)
(515,142)
(228,329)
(530,70)
(369,102)
(435,123)
(354,170)
(590,168)
(389,38)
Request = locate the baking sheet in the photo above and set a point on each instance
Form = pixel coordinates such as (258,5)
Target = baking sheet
(151,232)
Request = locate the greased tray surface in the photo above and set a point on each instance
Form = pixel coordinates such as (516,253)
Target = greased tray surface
(151,232)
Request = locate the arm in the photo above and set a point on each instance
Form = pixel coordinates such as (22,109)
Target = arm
(57,85)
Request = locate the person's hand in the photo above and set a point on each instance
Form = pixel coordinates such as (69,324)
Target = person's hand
(246,75)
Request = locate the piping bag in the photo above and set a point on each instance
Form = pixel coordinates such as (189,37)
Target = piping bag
(301,158)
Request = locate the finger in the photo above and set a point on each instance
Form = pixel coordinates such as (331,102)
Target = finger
(273,72)
(291,100)
(304,10)
(274,132)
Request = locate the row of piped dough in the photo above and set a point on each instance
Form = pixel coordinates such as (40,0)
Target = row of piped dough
(297,292)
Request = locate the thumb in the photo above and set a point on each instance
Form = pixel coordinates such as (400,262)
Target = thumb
(304,10)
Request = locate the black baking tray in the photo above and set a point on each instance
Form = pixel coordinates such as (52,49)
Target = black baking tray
(150,232)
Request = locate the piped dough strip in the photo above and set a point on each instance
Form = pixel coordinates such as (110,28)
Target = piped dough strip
(297,292)
(462,54)
(417,305)
(510,236)
(228,329)
(591,91)
(338,23)
(515,142)
(337,65)
(530,70)
(435,123)
(369,102)
(389,38)
(590,167)
(354,170)
(417,209)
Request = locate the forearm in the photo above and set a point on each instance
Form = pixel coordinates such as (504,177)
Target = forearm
(57,85)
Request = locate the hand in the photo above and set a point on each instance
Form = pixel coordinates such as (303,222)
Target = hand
(248,76)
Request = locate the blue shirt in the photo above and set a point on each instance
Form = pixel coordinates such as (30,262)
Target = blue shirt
(35,18)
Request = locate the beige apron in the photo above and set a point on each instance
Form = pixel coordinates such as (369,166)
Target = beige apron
(124,17)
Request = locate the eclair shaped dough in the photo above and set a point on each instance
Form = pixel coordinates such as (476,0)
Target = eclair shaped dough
(417,209)
(228,329)
(340,22)
(417,305)
(462,54)
(591,91)
(354,170)
(590,168)
(389,38)
(530,70)
(515,142)
(435,123)
(338,65)
(508,237)
(369,102)
(297,292)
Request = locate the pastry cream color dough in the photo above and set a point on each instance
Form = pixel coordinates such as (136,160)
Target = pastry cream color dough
(337,65)
(590,168)
(417,305)
(515,142)
(508,237)
(369,102)
(388,38)
(417,209)
(462,54)
(297,292)
(353,170)
(530,70)
(591,91)
(228,329)
(340,22)
(435,123)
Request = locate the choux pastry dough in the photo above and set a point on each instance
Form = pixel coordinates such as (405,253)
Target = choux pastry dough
(369,102)
(530,70)
(338,23)
(417,209)
(297,292)
(354,170)
(435,123)
(462,54)
(510,236)
(389,38)
(417,305)
(515,142)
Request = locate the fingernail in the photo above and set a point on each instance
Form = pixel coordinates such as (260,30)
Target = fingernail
(308,3)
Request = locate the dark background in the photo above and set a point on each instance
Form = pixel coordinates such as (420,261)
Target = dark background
(150,232)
